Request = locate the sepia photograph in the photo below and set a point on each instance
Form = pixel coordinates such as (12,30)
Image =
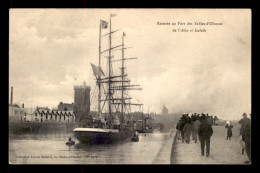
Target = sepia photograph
(129,86)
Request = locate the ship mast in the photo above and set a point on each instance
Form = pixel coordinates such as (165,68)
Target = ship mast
(99,77)
(112,79)
(122,94)
(109,74)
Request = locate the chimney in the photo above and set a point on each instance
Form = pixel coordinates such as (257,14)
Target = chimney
(11,95)
(23,105)
(84,84)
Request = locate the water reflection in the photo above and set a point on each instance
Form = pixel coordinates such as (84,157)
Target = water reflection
(125,152)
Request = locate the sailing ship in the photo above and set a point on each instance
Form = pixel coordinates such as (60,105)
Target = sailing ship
(117,123)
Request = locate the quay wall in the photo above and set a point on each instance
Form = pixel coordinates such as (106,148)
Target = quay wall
(36,127)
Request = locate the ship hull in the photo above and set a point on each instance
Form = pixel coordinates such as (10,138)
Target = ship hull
(101,136)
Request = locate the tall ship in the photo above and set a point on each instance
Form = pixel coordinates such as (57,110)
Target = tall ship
(115,121)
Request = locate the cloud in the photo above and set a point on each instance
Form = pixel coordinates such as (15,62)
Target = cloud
(51,51)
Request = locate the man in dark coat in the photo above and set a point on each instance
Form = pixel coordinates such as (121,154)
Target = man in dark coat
(245,131)
(205,132)
(181,128)
(178,128)
(244,121)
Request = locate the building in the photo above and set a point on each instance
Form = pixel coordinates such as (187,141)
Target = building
(16,113)
(66,112)
(39,114)
(53,116)
(164,110)
(82,99)
(66,106)
(43,108)
(43,115)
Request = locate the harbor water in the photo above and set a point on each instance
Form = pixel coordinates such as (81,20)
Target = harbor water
(153,148)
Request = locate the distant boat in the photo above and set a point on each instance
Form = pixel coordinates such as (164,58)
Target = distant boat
(143,126)
(112,92)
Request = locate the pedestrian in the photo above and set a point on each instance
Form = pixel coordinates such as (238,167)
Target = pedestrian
(216,120)
(211,120)
(181,128)
(243,123)
(178,128)
(246,134)
(187,131)
(205,132)
(229,130)
(192,121)
(195,128)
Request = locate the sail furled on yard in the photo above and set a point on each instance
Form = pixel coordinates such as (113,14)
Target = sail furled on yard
(97,70)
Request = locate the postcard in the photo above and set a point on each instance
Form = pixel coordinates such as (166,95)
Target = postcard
(130,86)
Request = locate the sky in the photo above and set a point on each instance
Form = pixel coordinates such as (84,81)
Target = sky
(50,51)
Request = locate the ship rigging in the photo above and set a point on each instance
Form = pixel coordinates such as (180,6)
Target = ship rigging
(113,92)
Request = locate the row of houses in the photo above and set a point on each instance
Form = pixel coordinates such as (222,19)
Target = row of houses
(39,115)
(52,115)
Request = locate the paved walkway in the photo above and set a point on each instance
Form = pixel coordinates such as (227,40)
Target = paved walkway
(164,154)
(222,151)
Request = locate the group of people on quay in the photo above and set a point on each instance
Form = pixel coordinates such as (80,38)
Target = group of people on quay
(196,125)
(200,125)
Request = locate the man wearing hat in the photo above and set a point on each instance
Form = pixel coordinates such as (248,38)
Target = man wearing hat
(205,132)
(244,121)
(245,132)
